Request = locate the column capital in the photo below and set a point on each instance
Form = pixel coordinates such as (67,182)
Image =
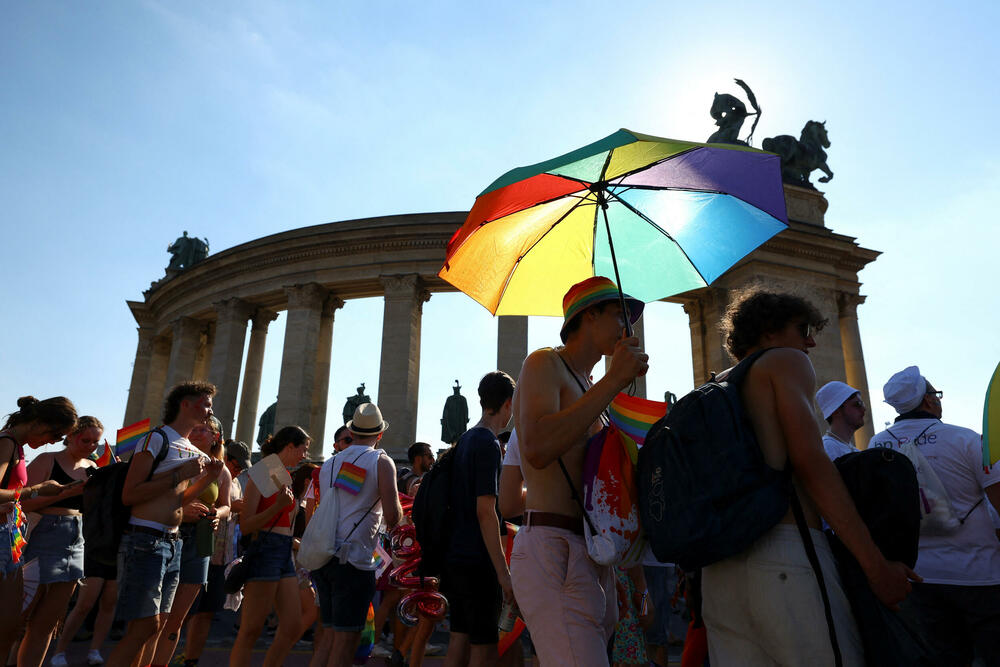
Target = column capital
(310,295)
(233,310)
(848,302)
(333,303)
(261,318)
(403,286)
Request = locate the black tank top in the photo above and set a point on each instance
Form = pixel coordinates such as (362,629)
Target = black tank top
(61,476)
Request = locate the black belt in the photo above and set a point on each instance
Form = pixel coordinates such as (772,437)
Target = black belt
(162,534)
(553,520)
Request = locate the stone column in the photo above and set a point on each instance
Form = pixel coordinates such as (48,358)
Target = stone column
(399,374)
(321,388)
(512,343)
(227,357)
(187,340)
(854,359)
(156,382)
(140,376)
(708,346)
(298,357)
(250,395)
(640,383)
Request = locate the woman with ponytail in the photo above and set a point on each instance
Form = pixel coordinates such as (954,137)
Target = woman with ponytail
(35,424)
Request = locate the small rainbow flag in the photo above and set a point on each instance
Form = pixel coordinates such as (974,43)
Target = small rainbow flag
(107,457)
(633,415)
(130,436)
(350,478)
(367,642)
(19,524)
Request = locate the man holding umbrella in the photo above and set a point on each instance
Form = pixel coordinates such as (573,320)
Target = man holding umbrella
(568,601)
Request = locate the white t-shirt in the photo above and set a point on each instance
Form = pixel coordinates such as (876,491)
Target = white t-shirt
(512,457)
(835,448)
(180,450)
(971,555)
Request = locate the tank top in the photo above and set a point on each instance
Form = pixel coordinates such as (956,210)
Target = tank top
(16,474)
(210,494)
(284,518)
(58,474)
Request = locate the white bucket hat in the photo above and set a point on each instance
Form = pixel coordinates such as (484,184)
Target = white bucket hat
(905,390)
(832,395)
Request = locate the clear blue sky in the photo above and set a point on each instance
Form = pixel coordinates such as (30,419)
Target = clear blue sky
(125,123)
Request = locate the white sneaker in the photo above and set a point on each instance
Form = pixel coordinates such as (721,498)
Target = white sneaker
(94,657)
(59,660)
(435,649)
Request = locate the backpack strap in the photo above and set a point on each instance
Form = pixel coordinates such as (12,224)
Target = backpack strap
(800,521)
(738,373)
(162,454)
(969,513)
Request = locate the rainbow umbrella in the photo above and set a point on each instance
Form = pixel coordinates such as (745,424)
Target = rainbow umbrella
(657,216)
(991,421)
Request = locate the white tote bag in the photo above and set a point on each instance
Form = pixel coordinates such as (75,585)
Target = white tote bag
(937,516)
(318,543)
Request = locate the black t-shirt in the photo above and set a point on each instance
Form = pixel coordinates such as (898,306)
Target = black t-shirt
(476,473)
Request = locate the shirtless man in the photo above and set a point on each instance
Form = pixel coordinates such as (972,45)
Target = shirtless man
(149,558)
(568,601)
(763,606)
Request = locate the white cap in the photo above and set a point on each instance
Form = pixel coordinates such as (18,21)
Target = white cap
(832,395)
(905,390)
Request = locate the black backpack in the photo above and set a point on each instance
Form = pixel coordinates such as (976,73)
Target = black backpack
(883,484)
(705,490)
(104,514)
(432,516)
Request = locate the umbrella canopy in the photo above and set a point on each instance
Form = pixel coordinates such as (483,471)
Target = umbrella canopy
(658,216)
(991,421)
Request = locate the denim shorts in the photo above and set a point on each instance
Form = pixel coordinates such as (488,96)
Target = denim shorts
(57,542)
(194,568)
(344,593)
(270,556)
(7,564)
(149,568)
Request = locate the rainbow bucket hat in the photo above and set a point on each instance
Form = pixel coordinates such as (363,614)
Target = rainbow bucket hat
(592,291)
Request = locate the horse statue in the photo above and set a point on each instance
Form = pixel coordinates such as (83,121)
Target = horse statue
(800,156)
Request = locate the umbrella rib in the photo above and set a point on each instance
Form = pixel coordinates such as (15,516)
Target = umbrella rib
(661,230)
(522,255)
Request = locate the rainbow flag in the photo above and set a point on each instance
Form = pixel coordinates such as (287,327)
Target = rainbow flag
(107,457)
(130,436)
(991,421)
(19,524)
(633,415)
(350,478)
(367,642)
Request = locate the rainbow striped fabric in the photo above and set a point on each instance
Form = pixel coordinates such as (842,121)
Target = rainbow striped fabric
(130,436)
(367,642)
(633,416)
(107,457)
(593,291)
(991,421)
(19,525)
(350,478)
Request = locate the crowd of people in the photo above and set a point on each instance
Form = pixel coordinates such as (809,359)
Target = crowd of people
(203,536)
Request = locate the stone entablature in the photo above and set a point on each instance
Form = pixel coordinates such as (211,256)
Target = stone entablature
(193,324)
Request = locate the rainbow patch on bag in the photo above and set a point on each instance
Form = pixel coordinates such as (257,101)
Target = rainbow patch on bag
(350,478)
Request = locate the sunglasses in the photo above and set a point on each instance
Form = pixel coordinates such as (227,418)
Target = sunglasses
(805,329)
(346,440)
(938,393)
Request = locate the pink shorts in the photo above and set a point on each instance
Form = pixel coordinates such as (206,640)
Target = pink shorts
(569,603)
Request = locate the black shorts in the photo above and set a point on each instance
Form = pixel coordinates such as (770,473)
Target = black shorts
(212,597)
(474,601)
(93,568)
(344,594)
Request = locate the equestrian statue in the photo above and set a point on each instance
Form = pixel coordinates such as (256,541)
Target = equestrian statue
(800,156)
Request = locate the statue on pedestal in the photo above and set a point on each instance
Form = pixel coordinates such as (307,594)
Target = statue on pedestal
(729,113)
(455,417)
(354,401)
(800,156)
(265,427)
(186,251)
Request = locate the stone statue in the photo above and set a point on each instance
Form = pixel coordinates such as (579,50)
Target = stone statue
(354,401)
(266,423)
(729,113)
(455,417)
(187,251)
(800,156)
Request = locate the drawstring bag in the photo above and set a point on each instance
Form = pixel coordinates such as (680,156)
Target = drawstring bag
(937,516)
